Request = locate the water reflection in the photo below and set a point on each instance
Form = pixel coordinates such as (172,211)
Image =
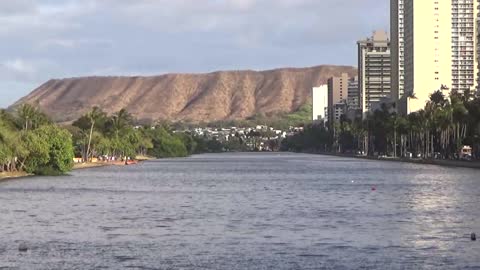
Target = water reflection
(439,202)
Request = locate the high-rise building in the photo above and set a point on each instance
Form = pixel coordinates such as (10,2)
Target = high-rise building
(464,48)
(339,110)
(397,47)
(478,52)
(319,102)
(353,99)
(434,47)
(337,94)
(374,71)
(428,51)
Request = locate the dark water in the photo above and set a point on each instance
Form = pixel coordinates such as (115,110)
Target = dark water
(244,211)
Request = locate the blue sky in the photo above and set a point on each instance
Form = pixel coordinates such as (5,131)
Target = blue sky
(45,39)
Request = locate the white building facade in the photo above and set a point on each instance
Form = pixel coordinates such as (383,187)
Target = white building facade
(320,103)
(464,45)
(434,47)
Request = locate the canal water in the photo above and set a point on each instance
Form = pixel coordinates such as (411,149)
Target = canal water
(244,211)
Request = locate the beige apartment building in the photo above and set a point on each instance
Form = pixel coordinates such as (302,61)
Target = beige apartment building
(374,71)
(337,96)
(353,99)
(428,51)
(434,47)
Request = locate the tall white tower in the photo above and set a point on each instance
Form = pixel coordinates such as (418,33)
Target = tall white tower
(397,47)
(464,45)
(434,46)
(428,50)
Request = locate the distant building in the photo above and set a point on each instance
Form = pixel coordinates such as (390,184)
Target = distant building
(464,45)
(339,109)
(353,98)
(337,95)
(478,52)
(319,102)
(354,110)
(428,51)
(374,70)
(435,47)
(397,47)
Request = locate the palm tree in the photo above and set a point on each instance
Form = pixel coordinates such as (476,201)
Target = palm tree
(438,99)
(415,127)
(459,117)
(410,95)
(468,95)
(27,113)
(94,115)
(402,130)
(120,120)
(395,122)
(12,148)
(31,117)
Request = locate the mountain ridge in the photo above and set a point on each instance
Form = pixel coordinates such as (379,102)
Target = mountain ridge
(192,97)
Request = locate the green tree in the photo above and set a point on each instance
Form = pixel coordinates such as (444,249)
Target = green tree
(39,152)
(93,116)
(51,150)
(166,145)
(30,117)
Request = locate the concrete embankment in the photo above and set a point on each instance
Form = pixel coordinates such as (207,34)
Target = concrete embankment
(446,163)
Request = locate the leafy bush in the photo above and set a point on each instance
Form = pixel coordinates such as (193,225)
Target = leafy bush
(166,145)
(51,150)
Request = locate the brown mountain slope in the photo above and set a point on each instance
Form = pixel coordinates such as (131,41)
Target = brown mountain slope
(190,97)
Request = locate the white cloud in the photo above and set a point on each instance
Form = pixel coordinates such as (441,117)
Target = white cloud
(242,5)
(23,70)
(42,39)
(19,65)
(65,43)
(43,17)
(9,7)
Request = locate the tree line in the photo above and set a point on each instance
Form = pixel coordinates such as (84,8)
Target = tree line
(277,120)
(30,142)
(440,130)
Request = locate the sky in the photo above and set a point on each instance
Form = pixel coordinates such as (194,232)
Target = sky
(53,39)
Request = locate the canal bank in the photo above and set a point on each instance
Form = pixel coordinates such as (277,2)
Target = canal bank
(79,166)
(444,163)
(76,166)
(11,175)
(88,165)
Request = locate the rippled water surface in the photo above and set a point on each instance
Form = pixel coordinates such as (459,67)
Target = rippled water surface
(244,211)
